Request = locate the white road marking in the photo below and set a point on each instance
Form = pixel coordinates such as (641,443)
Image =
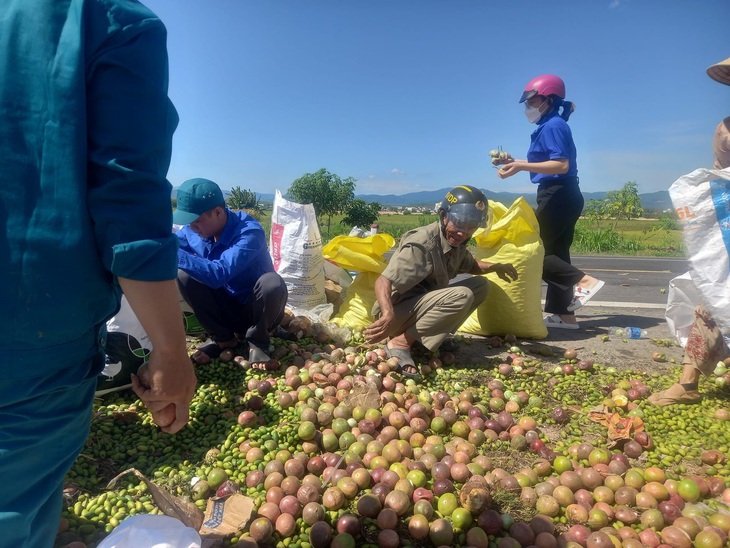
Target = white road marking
(625,271)
(615,304)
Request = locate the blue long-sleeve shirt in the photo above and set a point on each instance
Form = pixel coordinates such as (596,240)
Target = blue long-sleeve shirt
(235,261)
(85,133)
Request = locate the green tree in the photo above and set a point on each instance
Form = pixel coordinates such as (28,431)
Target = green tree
(247,200)
(360,213)
(327,192)
(595,210)
(624,203)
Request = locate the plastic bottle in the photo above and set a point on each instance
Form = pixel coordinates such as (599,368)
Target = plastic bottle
(628,332)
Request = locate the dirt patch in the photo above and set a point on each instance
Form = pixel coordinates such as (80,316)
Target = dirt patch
(634,354)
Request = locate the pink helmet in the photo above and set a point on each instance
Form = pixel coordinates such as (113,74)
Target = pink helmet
(545,84)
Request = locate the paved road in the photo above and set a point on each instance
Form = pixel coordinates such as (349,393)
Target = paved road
(633,281)
(632,296)
(636,282)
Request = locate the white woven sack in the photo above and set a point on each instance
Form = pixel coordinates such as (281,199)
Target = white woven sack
(296,251)
(702,202)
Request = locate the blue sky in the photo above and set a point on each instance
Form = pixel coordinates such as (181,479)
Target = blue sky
(407,95)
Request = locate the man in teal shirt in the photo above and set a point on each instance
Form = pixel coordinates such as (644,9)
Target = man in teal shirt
(85,130)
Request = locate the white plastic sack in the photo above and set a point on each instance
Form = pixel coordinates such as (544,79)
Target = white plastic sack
(681,302)
(127,347)
(702,202)
(152,531)
(296,251)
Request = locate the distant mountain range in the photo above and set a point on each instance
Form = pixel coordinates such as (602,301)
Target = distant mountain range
(427,198)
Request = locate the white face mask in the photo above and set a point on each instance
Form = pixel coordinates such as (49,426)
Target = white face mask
(533,114)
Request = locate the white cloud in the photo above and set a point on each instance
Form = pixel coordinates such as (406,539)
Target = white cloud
(396,171)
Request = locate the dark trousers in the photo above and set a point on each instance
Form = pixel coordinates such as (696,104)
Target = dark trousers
(222,316)
(558,208)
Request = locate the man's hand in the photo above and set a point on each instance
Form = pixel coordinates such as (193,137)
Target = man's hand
(166,385)
(379,329)
(505,271)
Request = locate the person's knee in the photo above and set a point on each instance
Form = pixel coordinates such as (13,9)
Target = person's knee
(474,292)
(466,296)
(480,289)
(271,283)
(183,278)
(271,289)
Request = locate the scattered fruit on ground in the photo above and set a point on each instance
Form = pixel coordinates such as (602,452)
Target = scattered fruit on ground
(337,449)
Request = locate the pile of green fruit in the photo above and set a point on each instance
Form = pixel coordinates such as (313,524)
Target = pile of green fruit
(338,450)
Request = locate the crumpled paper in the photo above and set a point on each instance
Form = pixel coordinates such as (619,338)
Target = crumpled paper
(620,429)
(364,394)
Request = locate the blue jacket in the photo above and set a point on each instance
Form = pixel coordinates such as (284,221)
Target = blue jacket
(234,262)
(85,133)
(552,140)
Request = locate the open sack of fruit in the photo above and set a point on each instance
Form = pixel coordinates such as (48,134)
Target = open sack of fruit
(702,202)
(511,307)
(365,256)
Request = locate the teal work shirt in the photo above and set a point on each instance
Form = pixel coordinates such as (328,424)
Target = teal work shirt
(85,133)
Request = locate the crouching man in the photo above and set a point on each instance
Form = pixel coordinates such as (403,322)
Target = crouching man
(416,300)
(226,274)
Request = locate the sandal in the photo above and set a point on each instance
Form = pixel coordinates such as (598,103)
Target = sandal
(406,366)
(259,358)
(554,320)
(205,354)
(449,345)
(675,394)
(209,352)
(281,333)
(582,296)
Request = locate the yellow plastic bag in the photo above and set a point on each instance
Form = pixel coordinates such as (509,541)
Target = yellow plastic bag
(511,307)
(364,255)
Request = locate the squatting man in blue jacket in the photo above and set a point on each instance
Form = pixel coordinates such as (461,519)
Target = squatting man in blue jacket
(226,274)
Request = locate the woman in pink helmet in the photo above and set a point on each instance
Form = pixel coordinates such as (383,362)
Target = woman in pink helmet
(551,161)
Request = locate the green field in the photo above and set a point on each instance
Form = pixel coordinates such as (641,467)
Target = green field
(650,237)
(644,237)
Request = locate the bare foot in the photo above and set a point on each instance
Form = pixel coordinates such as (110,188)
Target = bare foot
(269,365)
(401,342)
(587,282)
